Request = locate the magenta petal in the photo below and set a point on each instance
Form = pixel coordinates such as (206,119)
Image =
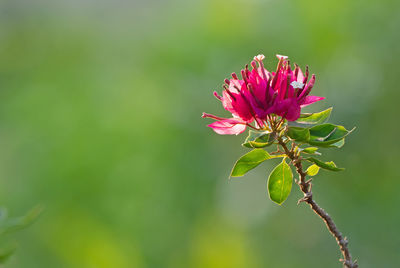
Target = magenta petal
(241,106)
(235,84)
(235,101)
(307,88)
(260,112)
(293,113)
(288,108)
(228,126)
(258,85)
(310,100)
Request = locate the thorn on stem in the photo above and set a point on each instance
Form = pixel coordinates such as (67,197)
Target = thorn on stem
(309,184)
(348,263)
(306,198)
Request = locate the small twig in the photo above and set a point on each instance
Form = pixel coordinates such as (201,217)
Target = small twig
(305,187)
(278,151)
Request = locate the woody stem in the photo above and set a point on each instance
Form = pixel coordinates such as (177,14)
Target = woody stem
(305,187)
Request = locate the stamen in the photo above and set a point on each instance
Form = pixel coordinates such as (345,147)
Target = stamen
(244,76)
(304,82)
(230,94)
(217,96)
(289,77)
(296,71)
(274,97)
(250,88)
(274,80)
(227,81)
(250,108)
(288,65)
(259,57)
(281,57)
(254,64)
(247,71)
(306,77)
(234,76)
(281,61)
(238,89)
(307,90)
(267,90)
(296,90)
(272,100)
(206,115)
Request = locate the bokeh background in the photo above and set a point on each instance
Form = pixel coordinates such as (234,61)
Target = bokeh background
(100,105)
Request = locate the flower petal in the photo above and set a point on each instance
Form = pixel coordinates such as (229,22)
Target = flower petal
(227,101)
(288,108)
(293,113)
(300,76)
(258,84)
(228,126)
(307,88)
(310,100)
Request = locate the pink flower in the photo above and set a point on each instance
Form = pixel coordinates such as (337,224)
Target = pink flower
(291,89)
(260,93)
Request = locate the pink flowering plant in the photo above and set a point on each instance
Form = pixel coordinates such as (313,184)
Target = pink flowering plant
(269,104)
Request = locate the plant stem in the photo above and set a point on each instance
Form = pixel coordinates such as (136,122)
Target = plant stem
(305,187)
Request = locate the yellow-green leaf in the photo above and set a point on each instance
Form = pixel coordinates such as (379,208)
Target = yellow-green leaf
(312,170)
(325,165)
(310,150)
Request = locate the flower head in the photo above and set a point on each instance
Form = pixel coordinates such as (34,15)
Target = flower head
(261,95)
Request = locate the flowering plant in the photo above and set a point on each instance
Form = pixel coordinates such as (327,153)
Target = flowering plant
(270,104)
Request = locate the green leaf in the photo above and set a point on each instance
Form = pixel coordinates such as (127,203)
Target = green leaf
(8,225)
(312,170)
(257,139)
(6,252)
(326,135)
(325,165)
(299,134)
(338,144)
(249,161)
(310,150)
(14,224)
(280,182)
(314,118)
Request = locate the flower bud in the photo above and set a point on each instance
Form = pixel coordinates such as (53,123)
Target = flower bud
(259,57)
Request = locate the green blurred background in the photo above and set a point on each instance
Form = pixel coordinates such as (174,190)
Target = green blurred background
(100,105)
